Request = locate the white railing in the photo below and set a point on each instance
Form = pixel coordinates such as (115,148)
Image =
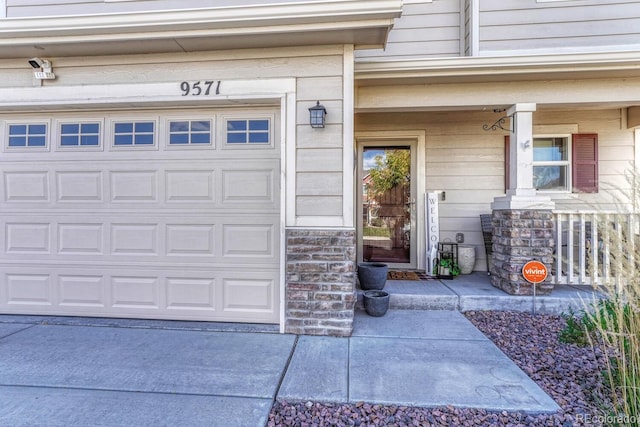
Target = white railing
(583,245)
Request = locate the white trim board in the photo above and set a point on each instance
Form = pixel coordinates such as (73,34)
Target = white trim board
(213,20)
(139,95)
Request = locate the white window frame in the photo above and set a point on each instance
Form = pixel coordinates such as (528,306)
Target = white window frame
(47,138)
(224,118)
(110,133)
(70,121)
(567,163)
(211,118)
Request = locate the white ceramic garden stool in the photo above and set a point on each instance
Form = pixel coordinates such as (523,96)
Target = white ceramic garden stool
(466,259)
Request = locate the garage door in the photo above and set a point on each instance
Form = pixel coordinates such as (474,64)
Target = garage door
(170,215)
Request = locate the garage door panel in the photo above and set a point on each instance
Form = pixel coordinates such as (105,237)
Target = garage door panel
(28,290)
(27,238)
(81,291)
(79,186)
(80,239)
(134,239)
(134,186)
(248,186)
(189,293)
(132,291)
(27,186)
(226,294)
(249,240)
(249,295)
(190,240)
(190,186)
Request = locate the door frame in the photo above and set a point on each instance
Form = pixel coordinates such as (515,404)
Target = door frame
(416,140)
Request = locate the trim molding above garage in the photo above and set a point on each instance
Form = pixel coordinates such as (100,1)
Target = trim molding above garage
(231,92)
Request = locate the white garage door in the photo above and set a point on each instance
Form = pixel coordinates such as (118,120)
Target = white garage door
(165,215)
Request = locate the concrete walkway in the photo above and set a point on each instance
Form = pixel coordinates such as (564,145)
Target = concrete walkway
(475,292)
(109,372)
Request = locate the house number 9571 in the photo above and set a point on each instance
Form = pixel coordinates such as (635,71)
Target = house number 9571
(200,88)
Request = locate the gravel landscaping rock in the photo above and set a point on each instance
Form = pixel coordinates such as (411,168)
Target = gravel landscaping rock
(568,373)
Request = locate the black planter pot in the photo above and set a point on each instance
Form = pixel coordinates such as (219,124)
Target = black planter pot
(372,275)
(376,303)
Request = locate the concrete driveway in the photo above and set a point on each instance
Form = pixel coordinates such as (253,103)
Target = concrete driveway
(108,372)
(60,375)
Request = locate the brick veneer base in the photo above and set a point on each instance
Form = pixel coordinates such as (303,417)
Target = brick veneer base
(520,236)
(320,288)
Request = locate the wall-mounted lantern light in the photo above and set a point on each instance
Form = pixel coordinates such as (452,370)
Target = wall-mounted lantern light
(317,113)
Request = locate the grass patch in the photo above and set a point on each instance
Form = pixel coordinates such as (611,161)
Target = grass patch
(376,232)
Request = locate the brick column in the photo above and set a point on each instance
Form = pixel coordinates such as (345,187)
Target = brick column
(519,236)
(320,288)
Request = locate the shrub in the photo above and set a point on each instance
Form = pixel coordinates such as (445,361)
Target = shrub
(575,331)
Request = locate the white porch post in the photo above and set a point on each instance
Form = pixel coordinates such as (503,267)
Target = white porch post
(523,219)
(521,194)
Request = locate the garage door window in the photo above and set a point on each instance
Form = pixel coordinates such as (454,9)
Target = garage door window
(27,135)
(190,132)
(250,131)
(80,135)
(133,134)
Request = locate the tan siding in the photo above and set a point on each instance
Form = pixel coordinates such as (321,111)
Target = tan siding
(319,183)
(319,160)
(517,25)
(329,137)
(427,29)
(319,88)
(319,206)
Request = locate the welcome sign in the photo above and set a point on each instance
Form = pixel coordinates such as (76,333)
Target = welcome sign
(432,229)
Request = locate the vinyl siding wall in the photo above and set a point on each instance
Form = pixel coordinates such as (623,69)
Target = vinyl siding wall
(42,8)
(508,26)
(443,28)
(319,152)
(429,29)
(467,163)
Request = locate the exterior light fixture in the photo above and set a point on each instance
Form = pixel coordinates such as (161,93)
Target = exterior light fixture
(316,115)
(42,69)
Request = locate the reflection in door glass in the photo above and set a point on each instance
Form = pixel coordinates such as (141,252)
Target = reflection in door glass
(386,207)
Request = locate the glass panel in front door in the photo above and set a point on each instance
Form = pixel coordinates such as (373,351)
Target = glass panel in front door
(386,204)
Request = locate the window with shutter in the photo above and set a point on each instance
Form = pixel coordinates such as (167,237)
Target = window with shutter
(553,158)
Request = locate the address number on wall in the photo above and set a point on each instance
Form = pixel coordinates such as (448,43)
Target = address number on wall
(200,88)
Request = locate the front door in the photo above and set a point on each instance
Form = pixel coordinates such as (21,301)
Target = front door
(387,222)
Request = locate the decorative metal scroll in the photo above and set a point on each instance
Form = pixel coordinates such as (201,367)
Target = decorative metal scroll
(497,125)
